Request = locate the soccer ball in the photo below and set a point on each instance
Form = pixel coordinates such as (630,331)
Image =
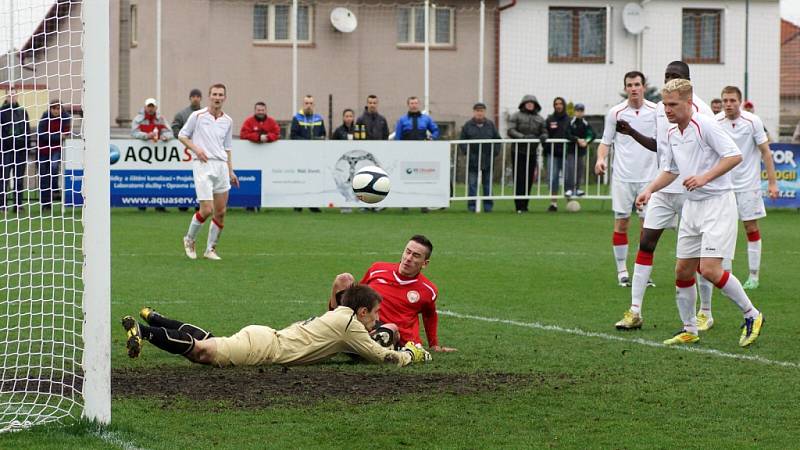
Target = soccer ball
(387,335)
(371,184)
(573,206)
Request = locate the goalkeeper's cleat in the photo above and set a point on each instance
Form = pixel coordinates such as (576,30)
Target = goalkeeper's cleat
(704,322)
(418,354)
(682,337)
(651,283)
(751,283)
(148,313)
(751,329)
(211,254)
(188,247)
(134,336)
(630,321)
(623,280)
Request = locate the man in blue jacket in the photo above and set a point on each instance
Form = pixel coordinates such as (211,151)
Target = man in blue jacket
(415,125)
(307,125)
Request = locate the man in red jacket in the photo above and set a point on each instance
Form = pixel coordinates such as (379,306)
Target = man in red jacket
(259,127)
(406,293)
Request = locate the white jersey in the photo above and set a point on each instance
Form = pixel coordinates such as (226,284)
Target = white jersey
(213,135)
(633,163)
(748,132)
(695,150)
(663,126)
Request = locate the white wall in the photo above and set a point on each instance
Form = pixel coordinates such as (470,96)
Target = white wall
(524,68)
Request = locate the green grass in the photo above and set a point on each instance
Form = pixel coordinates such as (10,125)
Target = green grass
(552,269)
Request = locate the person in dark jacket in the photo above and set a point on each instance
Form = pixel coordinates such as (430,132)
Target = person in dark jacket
(415,125)
(525,124)
(53,125)
(480,156)
(306,124)
(347,131)
(195,103)
(557,128)
(582,132)
(375,126)
(15,130)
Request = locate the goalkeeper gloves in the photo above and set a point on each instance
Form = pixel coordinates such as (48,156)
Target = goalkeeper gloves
(418,354)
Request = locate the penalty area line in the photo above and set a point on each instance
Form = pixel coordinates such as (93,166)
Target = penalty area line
(114,439)
(611,337)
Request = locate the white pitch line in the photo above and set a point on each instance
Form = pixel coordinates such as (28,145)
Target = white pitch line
(611,337)
(113,438)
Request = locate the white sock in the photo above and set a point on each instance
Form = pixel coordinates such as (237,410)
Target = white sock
(641,273)
(706,290)
(214,231)
(754,257)
(195,225)
(686,298)
(620,243)
(730,286)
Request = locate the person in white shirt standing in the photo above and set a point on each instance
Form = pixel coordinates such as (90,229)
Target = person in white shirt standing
(747,130)
(633,167)
(208,134)
(700,150)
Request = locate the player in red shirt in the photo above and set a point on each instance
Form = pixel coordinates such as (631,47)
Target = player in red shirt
(406,292)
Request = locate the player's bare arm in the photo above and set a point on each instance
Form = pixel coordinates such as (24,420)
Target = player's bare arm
(723,166)
(624,127)
(340,283)
(234,178)
(198,152)
(443,349)
(772,180)
(601,165)
(663,180)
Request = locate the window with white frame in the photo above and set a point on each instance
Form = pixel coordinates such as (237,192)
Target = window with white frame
(411,26)
(702,35)
(576,34)
(271,23)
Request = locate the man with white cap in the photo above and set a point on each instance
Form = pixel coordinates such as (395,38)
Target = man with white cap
(148,125)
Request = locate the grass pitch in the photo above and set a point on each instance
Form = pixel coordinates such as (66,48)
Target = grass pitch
(531,298)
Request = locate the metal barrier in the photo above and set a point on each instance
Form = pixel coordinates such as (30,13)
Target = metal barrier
(523,169)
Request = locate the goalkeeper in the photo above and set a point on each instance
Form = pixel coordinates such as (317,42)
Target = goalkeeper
(345,329)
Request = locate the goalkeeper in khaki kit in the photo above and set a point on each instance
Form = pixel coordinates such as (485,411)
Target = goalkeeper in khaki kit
(343,330)
(703,153)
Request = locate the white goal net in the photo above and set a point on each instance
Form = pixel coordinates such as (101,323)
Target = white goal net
(44,249)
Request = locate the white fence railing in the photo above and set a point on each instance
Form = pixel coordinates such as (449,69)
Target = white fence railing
(523,169)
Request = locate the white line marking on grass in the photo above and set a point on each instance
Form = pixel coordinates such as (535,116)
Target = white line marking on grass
(611,337)
(390,255)
(114,439)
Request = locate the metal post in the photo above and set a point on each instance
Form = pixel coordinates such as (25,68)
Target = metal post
(11,52)
(293,24)
(481,44)
(158,51)
(427,56)
(746,49)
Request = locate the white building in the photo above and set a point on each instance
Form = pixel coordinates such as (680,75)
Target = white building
(580,50)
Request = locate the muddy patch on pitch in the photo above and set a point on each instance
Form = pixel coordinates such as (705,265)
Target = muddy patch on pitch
(259,387)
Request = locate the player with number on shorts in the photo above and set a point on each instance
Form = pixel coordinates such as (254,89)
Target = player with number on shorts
(208,135)
(699,149)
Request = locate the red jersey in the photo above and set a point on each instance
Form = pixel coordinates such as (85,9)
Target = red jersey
(404,299)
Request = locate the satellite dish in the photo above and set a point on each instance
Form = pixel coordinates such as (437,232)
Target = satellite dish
(633,18)
(343,20)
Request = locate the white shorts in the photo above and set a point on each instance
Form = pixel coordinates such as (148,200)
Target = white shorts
(210,178)
(623,198)
(664,210)
(708,228)
(751,205)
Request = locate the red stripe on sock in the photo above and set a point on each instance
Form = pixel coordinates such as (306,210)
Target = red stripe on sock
(644,258)
(723,280)
(684,283)
(620,238)
(199,218)
(219,225)
(754,236)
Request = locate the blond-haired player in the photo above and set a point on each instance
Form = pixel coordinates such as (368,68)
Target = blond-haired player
(700,150)
(343,330)
(208,134)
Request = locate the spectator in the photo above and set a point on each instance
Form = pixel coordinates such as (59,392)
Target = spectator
(557,128)
(15,130)
(195,100)
(260,128)
(582,131)
(375,125)
(526,124)
(480,156)
(796,135)
(148,125)
(53,126)
(347,131)
(415,125)
(716,106)
(749,107)
(306,124)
